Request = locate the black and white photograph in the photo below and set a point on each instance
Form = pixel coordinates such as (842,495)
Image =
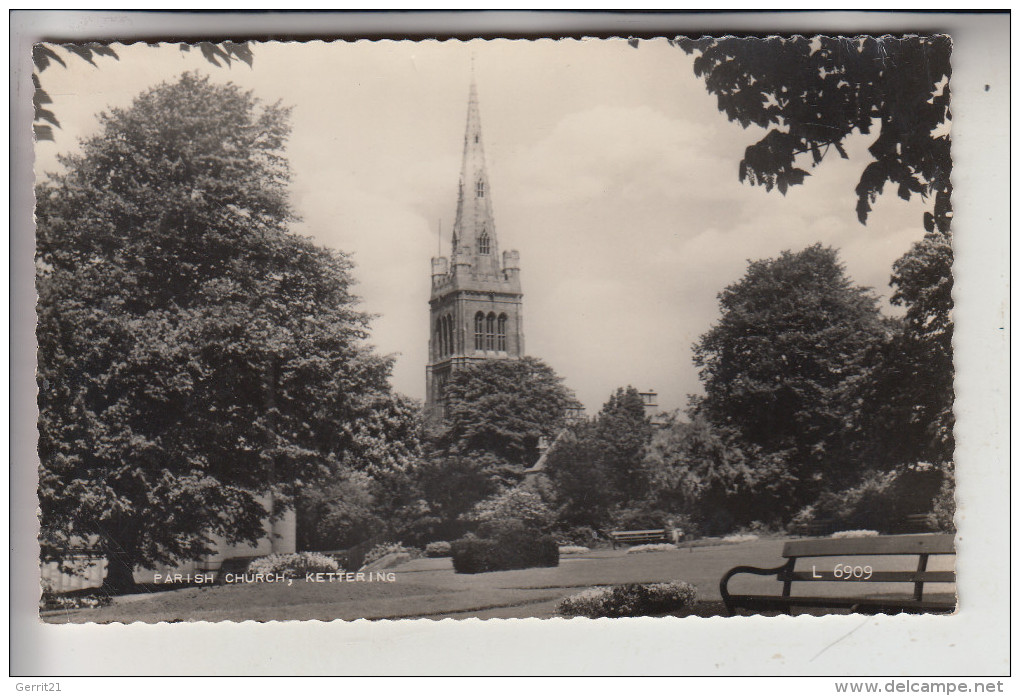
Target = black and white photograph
(593,328)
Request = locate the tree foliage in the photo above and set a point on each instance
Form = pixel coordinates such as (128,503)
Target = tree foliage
(793,335)
(581,482)
(905,411)
(512,506)
(598,468)
(923,282)
(707,475)
(498,410)
(623,431)
(194,357)
(44,55)
(812,94)
(378,455)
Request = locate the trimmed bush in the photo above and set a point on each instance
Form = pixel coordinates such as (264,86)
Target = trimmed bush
(514,547)
(438,549)
(474,555)
(629,600)
(651,548)
(739,538)
(294,565)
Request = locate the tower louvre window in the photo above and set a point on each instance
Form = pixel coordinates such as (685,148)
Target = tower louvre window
(490,332)
(501,333)
(479,331)
(480,189)
(476,137)
(483,243)
(449,335)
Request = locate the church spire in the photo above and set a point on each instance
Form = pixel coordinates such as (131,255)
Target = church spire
(475,308)
(474,232)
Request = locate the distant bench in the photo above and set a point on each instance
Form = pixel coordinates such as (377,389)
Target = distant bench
(640,536)
(851,570)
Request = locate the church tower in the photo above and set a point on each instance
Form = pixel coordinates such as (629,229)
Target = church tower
(475,307)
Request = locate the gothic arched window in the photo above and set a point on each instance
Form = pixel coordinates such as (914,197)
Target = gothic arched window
(479,331)
(439,338)
(449,335)
(490,332)
(480,189)
(501,332)
(483,243)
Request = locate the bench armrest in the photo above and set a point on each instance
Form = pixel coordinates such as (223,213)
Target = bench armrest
(752,570)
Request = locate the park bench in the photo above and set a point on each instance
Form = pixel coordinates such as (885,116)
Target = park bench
(854,563)
(639,536)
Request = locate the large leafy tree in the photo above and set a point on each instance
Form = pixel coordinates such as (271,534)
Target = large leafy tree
(582,483)
(813,94)
(708,476)
(597,467)
(624,431)
(905,400)
(793,336)
(379,457)
(923,282)
(498,410)
(195,359)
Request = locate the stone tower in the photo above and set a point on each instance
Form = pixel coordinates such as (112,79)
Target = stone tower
(475,307)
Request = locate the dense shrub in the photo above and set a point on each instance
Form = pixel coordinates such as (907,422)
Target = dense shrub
(882,500)
(339,513)
(641,518)
(629,600)
(511,548)
(944,506)
(294,565)
(380,550)
(512,506)
(438,549)
(577,536)
(651,548)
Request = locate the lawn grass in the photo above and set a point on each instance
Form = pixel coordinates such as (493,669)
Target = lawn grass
(428,588)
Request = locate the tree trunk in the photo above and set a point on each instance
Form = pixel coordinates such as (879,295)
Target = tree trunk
(119,574)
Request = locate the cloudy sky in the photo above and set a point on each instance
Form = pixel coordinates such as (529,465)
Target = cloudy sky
(611,171)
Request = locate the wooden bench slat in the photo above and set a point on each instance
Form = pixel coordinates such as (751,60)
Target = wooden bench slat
(899,545)
(946,576)
(921,546)
(638,532)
